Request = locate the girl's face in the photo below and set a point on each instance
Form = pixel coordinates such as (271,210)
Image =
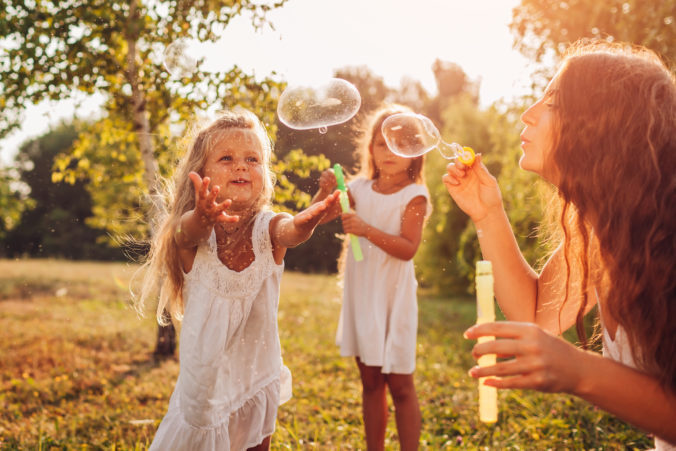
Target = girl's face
(385,161)
(235,163)
(537,137)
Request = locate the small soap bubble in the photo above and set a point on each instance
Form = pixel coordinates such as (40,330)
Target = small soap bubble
(179,58)
(308,107)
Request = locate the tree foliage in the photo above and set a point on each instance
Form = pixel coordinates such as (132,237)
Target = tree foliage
(542,27)
(114,49)
(12,202)
(53,48)
(55,224)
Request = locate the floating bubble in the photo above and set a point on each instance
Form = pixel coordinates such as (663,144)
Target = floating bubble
(307,107)
(411,135)
(179,58)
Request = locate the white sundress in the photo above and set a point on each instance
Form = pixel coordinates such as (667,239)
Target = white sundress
(232,378)
(620,351)
(379,317)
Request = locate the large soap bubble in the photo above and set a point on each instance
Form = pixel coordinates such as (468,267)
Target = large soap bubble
(180,58)
(411,135)
(307,107)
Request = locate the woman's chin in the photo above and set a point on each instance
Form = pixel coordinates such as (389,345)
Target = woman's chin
(526,165)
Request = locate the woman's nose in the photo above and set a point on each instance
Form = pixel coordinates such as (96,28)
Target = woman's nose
(528,116)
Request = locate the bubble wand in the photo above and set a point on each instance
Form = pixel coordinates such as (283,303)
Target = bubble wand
(345,206)
(485,310)
(411,135)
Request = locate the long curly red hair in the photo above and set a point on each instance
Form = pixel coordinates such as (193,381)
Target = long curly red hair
(615,152)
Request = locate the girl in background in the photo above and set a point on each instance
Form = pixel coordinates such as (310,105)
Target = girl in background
(220,255)
(379,317)
(604,134)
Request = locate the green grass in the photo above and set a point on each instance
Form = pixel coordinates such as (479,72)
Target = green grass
(77,372)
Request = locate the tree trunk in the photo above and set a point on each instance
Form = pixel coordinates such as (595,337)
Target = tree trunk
(166,339)
(166,335)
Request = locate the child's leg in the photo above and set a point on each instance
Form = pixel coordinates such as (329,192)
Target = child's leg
(264,445)
(406,409)
(374,400)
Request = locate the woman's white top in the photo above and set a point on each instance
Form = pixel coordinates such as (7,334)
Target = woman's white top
(232,378)
(379,317)
(618,349)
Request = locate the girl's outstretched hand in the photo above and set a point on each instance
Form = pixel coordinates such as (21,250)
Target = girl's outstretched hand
(207,209)
(311,216)
(541,361)
(473,188)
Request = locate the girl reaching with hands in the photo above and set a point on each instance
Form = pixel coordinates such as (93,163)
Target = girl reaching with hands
(219,257)
(604,134)
(379,316)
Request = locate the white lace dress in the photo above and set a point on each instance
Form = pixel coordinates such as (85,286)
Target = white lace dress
(379,317)
(232,378)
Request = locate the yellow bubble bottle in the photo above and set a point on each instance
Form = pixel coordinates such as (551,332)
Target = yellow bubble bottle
(488,396)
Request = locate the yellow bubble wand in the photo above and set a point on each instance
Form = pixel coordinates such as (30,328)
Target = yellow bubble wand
(345,206)
(488,396)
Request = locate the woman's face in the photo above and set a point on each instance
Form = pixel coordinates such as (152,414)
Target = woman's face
(537,137)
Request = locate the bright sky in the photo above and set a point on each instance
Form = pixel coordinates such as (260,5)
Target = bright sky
(394,38)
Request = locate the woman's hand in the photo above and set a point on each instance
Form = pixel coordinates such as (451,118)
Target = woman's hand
(473,188)
(541,361)
(207,210)
(354,224)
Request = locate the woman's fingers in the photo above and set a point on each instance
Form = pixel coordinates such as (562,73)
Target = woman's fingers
(536,380)
(504,348)
(515,382)
(482,172)
(505,329)
(541,360)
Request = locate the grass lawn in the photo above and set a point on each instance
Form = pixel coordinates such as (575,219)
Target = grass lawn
(77,372)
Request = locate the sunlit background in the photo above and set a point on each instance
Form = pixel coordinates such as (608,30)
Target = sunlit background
(80,370)
(396,39)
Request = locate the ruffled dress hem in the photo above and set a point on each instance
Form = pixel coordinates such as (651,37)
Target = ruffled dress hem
(177,433)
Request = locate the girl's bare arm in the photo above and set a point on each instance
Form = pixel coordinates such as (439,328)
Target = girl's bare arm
(402,246)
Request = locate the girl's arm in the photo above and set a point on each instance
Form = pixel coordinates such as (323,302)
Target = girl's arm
(402,246)
(289,231)
(523,295)
(195,226)
(547,363)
